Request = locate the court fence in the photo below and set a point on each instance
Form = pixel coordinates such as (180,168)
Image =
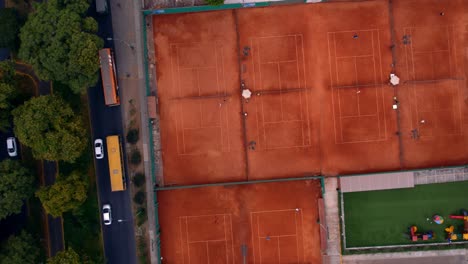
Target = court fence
(205,8)
(151,145)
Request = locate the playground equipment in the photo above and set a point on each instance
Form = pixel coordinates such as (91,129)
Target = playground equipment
(438,219)
(450,230)
(463,217)
(451,235)
(423,236)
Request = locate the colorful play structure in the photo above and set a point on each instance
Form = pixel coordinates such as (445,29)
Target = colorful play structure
(417,236)
(451,235)
(438,219)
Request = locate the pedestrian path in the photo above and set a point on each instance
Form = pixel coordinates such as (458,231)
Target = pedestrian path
(454,256)
(333,252)
(440,175)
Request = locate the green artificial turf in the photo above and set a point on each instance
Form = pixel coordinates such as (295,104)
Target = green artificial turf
(380,218)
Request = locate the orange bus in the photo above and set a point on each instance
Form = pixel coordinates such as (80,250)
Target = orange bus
(109,79)
(116,169)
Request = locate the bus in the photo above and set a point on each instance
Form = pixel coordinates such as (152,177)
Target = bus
(109,79)
(115,158)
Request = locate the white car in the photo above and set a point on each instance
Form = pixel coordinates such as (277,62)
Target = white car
(98,148)
(11,147)
(106,214)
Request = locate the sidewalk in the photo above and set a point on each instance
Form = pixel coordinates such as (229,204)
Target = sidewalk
(127,26)
(333,254)
(454,256)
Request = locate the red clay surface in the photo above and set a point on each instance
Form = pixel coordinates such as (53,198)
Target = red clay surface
(211,225)
(321,102)
(434,74)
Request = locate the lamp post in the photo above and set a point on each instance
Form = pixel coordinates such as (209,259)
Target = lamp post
(123,41)
(121,220)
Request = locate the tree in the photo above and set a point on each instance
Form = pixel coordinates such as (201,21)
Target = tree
(139,179)
(61,43)
(132,136)
(9,28)
(68,256)
(7,72)
(139,197)
(135,157)
(20,249)
(64,195)
(49,127)
(16,185)
(7,94)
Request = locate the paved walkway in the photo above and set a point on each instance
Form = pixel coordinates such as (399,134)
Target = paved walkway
(127,26)
(455,256)
(333,253)
(440,175)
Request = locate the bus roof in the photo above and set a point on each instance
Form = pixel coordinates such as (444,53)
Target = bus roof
(109,84)
(115,163)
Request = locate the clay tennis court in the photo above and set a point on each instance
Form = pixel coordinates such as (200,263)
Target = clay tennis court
(243,222)
(321,101)
(434,90)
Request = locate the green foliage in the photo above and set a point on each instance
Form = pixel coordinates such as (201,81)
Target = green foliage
(64,195)
(9,28)
(49,127)
(68,256)
(139,197)
(142,250)
(16,185)
(20,249)
(133,136)
(215,2)
(82,229)
(135,157)
(7,72)
(61,44)
(141,216)
(139,179)
(7,91)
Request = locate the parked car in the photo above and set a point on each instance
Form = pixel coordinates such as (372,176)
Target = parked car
(98,148)
(107,214)
(11,147)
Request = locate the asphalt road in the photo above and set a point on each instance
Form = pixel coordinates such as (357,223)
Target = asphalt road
(3,146)
(119,237)
(13,223)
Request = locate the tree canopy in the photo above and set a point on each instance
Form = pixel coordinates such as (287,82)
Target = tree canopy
(20,249)
(7,93)
(7,72)
(50,128)
(65,194)
(60,43)
(68,256)
(16,185)
(9,28)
